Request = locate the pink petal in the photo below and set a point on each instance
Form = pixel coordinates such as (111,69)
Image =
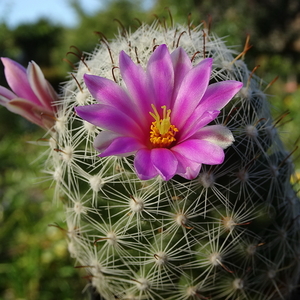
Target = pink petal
(186,168)
(106,91)
(216,134)
(160,74)
(143,165)
(165,162)
(122,146)
(200,151)
(104,139)
(182,65)
(110,118)
(6,95)
(219,94)
(136,82)
(195,123)
(16,77)
(191,91)
(32,112)
(40,86)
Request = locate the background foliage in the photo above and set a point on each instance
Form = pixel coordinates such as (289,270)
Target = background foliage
(34,261)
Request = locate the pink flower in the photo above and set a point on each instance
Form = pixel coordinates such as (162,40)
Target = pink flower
(32,95)
(161,115)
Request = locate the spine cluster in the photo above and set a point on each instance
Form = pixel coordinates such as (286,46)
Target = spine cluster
(231,233)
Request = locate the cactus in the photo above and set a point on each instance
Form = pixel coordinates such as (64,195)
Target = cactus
(231,232)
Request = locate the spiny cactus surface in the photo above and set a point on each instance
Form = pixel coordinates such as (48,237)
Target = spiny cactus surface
(232,232)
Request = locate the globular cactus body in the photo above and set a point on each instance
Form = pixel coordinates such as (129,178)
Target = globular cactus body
(230,233)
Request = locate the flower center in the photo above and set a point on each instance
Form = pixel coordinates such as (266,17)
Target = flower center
(162,133)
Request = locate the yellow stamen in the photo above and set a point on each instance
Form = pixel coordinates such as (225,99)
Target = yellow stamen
(162,133)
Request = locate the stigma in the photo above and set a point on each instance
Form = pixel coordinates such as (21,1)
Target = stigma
(162,132)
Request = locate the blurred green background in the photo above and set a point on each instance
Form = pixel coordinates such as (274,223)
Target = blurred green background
(34,260)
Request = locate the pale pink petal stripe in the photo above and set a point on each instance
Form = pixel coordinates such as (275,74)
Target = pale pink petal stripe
(39,85)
